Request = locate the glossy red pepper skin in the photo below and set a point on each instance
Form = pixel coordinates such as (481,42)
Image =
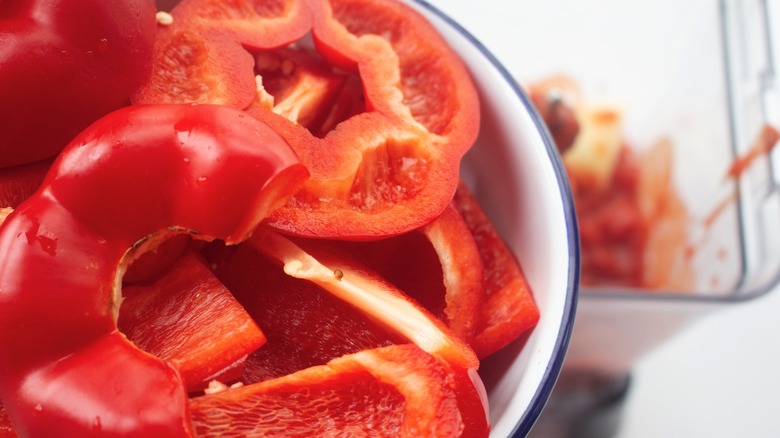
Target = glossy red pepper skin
(65,368)
(64,64)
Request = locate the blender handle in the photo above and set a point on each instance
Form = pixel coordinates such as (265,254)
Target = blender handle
(751,45)
(751,39)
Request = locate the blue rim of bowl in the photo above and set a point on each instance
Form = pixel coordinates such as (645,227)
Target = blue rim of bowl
(553,369)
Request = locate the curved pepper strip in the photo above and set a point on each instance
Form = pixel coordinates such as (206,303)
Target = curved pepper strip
(66,369)
(341,275)
(63,64)
(438,266)
(371,177)
(509,309)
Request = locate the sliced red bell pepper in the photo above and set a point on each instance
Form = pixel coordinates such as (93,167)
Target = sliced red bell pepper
(509,309)
(346,278)
(191,320)
(397,173)
(63,64)
(202,55)
(211,171)
(391,391)
(462,271)
(304,324)
(386,171)
(439,266)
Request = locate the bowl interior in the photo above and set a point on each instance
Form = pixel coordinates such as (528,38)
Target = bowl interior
(516,174)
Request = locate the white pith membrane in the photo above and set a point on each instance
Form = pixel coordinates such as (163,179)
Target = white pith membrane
(371,296)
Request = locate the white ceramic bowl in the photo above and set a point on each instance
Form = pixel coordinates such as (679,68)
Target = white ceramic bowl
(517,175)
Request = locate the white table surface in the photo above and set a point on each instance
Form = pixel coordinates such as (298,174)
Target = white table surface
(720,377)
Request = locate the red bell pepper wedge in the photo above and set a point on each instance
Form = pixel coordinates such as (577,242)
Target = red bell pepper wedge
(207,170)
(304,324)
(346,278)
(190,319)
(390,391)
(321,262)
(509,309)
(382,172)
(439,266)
(63,64)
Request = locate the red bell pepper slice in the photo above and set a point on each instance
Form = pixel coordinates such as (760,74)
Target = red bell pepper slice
(439,266)
(344,277)
(509,309)
(304,324)
(190,319)
(391,391)
(384,176)
(63,64)
(211,171)
(382,172)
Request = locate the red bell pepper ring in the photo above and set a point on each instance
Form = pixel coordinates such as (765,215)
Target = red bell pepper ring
(509,309)
(384,175)
(407,68)
(382,172)
(63,64)
(191,320)
(211,171)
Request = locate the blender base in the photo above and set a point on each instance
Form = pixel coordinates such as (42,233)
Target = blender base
(584,404)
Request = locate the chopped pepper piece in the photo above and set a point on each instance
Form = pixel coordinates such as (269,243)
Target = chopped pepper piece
(191,320)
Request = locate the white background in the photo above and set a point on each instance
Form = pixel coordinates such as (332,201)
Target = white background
(718,378)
